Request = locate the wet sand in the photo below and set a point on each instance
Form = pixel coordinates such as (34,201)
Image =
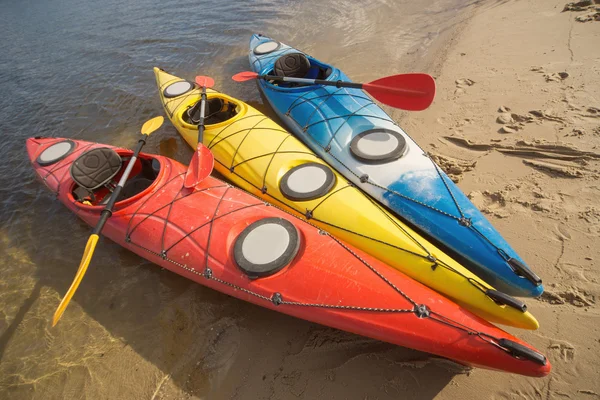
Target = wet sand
(136,331)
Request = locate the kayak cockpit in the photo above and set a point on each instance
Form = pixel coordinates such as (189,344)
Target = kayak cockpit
(96,174)
(298,65)
(219,109)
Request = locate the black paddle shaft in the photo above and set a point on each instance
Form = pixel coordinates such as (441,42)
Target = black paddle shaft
(200,108)
(201,116)
(107,212)
(338,84)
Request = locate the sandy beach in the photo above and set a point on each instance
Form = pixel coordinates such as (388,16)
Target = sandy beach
(516,122)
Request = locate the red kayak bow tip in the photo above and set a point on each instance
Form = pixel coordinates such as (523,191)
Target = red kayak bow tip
(244,76)
(205,81)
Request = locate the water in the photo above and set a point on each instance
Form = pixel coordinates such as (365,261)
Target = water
(83,69)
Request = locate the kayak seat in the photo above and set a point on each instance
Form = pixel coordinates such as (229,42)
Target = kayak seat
(144,174)
(217,110)
(95,168)
(294,65)
(297,65)
(213,106)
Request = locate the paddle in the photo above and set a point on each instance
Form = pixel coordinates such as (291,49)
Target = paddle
(148,127)
(202,162)
(412,92)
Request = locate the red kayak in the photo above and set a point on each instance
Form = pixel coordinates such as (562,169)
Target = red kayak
(228,240)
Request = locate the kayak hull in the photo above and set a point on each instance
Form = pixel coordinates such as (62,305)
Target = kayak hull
(327,119)
(193,233)
(256,154)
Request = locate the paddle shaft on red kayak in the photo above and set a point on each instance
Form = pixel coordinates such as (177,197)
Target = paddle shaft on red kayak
(107,212)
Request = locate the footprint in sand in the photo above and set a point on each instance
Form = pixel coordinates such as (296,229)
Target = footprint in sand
(586,5)
(580,5)
(453,167)
(461,84)
(574,296)
(556,76)
(594,16)
(512,122)
(565,350)
(550,76)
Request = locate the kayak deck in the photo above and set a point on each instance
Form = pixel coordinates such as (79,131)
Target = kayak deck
(195,234)
(256,154)
(337,122)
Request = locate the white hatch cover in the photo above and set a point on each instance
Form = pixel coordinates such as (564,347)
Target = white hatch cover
(307,181)
(266,246)
(266,47)
(378,146)
(177,89)
(55,152)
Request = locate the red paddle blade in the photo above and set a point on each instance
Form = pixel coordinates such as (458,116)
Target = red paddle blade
(200,167)
(205,81)
(244,76)
(412,92)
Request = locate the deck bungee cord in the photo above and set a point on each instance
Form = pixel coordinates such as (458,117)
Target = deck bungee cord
(278,298)
(319,114)
(155,212)
(247,125)
(517,266)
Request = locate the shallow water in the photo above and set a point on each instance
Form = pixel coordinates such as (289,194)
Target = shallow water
(83,69)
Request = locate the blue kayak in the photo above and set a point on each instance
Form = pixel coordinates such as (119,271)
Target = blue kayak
(357,138)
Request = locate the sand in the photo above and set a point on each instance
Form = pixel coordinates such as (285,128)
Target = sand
(516,123)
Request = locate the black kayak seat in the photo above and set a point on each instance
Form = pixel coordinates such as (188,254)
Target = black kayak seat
(297,65)
(294,65)
(95,168)
(217,110)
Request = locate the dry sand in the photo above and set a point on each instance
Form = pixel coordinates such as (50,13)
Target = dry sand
(516,122)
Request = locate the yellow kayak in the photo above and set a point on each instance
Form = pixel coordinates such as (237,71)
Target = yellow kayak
(256,154)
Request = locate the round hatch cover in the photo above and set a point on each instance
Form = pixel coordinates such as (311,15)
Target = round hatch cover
(266,246)
(266,47)
(307,181)
(55,152)
(177,89)
(378,146)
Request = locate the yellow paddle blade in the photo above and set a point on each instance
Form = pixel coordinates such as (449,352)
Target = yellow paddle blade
(152,125)
(85,261)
